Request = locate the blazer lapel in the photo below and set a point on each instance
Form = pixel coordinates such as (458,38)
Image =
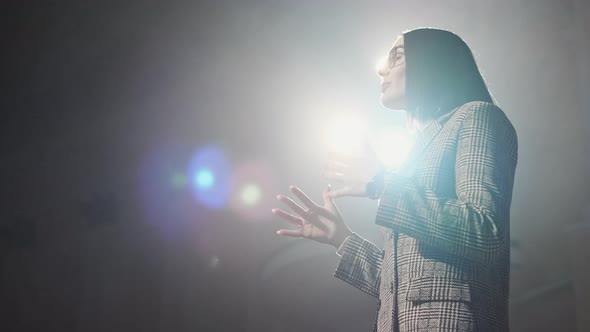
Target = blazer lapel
(424,137)
(423,140)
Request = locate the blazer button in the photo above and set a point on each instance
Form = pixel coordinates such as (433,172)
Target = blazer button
(391,287)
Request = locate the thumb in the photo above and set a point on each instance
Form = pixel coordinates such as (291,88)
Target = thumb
(328,198)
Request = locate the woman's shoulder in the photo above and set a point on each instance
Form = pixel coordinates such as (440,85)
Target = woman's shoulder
(481,109)
(484,114)
(483,106)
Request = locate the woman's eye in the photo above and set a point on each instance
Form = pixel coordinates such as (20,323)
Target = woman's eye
(395,60)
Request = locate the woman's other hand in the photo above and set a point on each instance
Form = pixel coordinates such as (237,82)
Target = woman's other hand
(352,173)
(323,224)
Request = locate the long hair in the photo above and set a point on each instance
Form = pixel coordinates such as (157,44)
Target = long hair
(441,73)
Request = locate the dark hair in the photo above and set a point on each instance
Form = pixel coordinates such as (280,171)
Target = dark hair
(441,73)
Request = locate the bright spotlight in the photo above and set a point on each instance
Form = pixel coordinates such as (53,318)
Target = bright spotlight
(393,147)
(345,136)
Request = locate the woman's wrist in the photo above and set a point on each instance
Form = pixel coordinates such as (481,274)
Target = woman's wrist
(340,239)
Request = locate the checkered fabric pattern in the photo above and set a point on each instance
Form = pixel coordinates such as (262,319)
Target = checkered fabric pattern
(446,224)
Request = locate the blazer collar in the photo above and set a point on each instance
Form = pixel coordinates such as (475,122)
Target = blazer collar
(424,136)
(427,134)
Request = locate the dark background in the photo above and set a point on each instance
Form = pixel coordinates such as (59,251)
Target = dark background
(103,101)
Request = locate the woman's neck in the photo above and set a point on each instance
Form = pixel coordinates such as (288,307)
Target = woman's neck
(414,125)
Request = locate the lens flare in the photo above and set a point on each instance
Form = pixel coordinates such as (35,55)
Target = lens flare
(253,191)
(162,188)
(205,179)
(211,176)
(250,194)
(179,180)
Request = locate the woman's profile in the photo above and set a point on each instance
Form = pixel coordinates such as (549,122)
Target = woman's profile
(445,217)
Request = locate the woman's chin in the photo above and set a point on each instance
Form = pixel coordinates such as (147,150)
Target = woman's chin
(394,105)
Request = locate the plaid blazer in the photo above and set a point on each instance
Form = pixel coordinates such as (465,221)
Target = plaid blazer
(445,261)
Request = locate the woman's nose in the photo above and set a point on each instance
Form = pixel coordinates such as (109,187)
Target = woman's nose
(381,67)
(382,71)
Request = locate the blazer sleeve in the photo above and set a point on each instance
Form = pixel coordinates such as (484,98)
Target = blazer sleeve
(475,224)
(360,264)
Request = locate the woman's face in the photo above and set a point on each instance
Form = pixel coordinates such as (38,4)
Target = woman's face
(393,73)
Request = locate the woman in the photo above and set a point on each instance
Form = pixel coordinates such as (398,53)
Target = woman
(445,216)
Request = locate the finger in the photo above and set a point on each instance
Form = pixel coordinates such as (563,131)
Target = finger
(288,217)
(290,232)
(329,205)
(327,191)
(327,196)
(303,198)
(292,205)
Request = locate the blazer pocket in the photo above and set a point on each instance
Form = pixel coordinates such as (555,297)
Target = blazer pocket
(438,289)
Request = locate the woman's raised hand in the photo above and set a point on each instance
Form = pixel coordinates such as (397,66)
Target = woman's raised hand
(323,224)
